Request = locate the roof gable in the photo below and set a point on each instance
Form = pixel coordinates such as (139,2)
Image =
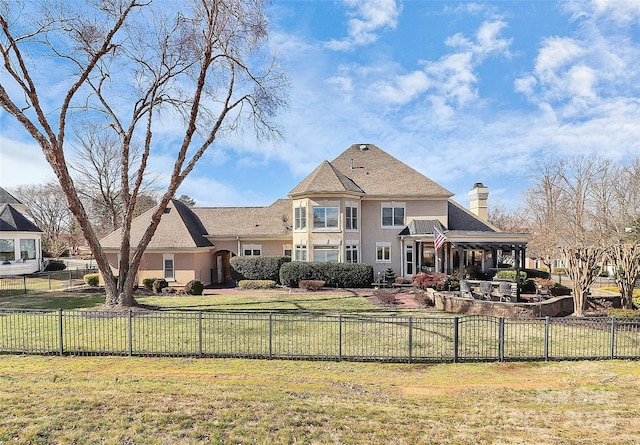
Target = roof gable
(326,179)
(462,219)
(378,173)
(8,198)
(179,228)
(11,220)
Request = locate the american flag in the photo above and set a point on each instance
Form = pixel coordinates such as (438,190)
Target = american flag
(438,238)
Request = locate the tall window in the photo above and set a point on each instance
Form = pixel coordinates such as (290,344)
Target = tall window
(169,266)
(351,218)
(351,253)
(325,217)
(300,253)
(300,218)
(325,254)
(409,259)
(7,250)
(252,250)
(393,214)
(28,249)
(383,252)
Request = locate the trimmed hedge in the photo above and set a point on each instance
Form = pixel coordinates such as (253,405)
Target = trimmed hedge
(159,284)
(193,287)
(91,279)
(333,274)
(257,267)
(54,265)
(256,284)
(511,275)
(536,273)
(148,282)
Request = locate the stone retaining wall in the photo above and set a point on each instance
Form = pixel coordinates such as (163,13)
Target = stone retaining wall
(553,307)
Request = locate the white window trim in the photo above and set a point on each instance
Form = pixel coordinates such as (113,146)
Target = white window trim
(300,248)
(353,205)
(352,245)
(383,245)
(302,209)
(325,229)
(327,247)
(252,247)
(165,257)
(393,205)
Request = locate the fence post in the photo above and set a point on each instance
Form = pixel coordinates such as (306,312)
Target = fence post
(70,278)
(340,337)
(200,334)
(547,320)
(130,332)
(410,339)
(270,335)
(501,339)
(60,333)
(49,275)
(24,283)
(613,337)
(455,339)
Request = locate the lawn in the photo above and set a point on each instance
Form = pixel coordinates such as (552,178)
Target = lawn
(112,400)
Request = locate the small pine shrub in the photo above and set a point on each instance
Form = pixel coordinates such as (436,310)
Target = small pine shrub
(159,284)
(389,275)
(193,287)
(256,284)
(91,279)
(311,284)
(148,283)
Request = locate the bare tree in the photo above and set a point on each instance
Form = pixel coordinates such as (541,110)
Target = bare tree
(47,207)
(583,267)
(129,66)
(625,259)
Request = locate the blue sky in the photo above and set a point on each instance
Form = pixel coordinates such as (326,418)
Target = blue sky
(463,92)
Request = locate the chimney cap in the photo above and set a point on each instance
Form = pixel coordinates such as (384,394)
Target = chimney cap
(478,185)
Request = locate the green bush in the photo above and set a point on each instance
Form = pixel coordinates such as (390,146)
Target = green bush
(333,274)
(623,313)
(535,273)
(193,287)
(148,282)
(91,279)
(560,271)
(159,284)
(256,284)
(511,275)
(257,267)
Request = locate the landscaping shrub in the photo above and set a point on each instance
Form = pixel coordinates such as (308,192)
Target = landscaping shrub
(148,282)
(193,287)
(333,274)
(438,281)
(511,275)
(53,265)
(560,271)
(389,276)
(257,267)
(168,290)
(535,273)
(386,297)
(256,284)
(159,284)
(311,284)
(91,279)
(624,313)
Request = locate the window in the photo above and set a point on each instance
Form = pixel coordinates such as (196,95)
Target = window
(392,214)
(252,250)
(28,249)
(325,217)
(286,250)
(351,253)
(383,252)
(300,218)
(300,253)
(7,250)
(325,254)
(351,218)
(169,266)
(409,259)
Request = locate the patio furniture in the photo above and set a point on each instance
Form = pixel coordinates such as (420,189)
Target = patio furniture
(485,289)
(504,288)
(465,289)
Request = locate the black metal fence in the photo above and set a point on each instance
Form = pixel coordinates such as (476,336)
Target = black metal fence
(54,280)
(315,337)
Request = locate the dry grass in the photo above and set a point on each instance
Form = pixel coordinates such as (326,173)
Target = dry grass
(142,400)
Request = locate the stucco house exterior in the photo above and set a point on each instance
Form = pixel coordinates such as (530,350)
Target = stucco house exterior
(364,206)
(20,239)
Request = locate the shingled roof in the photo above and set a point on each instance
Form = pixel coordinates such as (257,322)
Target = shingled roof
(179,228)
(225,222)
(11,220)
(326,179)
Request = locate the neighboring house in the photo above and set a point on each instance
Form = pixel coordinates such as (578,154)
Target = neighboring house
(365,206)
(20,239)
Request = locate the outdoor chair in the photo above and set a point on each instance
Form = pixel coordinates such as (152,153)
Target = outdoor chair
(465,289)
(504,288)
(485,289)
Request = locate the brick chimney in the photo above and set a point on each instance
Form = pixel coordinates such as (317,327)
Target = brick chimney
(478,197)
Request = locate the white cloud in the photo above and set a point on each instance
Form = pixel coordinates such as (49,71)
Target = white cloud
(369,17)
(22,163)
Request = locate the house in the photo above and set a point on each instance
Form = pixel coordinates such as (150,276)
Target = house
(20,239)
(364,206)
